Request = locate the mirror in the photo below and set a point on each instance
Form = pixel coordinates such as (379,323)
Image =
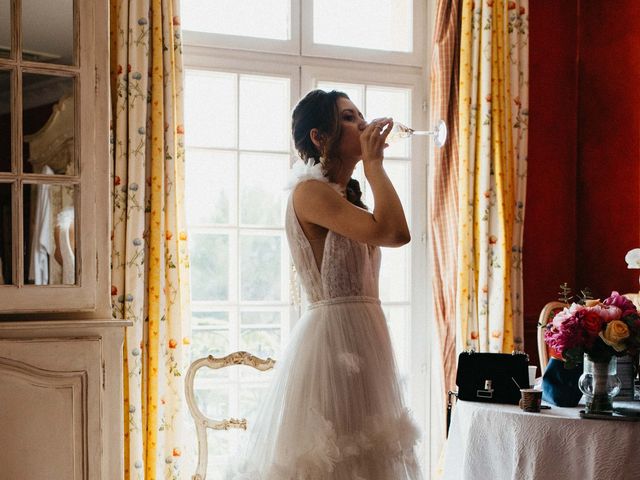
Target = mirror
(49,225)
(48,124)
(5,29)
(49,34)
(5,234)
(5,121)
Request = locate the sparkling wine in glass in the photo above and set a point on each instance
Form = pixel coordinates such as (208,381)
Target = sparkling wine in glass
(399,131)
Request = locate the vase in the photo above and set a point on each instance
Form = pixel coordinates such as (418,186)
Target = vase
(600,384)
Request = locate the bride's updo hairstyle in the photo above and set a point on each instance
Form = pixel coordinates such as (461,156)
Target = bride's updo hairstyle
(319,109)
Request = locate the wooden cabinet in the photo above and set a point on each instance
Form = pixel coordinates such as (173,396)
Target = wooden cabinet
(60,350)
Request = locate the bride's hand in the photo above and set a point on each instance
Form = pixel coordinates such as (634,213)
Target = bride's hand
(372,141)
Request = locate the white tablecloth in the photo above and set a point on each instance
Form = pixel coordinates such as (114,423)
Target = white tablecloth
(501,442)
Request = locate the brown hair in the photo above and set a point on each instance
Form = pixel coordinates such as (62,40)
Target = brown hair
(319,109)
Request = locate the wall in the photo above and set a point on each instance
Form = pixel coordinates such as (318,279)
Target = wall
(608,144)
(583,191)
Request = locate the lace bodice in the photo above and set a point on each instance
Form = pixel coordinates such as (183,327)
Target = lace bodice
(348,268)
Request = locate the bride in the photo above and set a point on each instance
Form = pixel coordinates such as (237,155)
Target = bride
(334,410)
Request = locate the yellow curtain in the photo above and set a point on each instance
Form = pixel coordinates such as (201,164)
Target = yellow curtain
(492,164)
(150,278)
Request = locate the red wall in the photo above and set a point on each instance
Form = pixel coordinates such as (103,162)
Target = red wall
(583,186)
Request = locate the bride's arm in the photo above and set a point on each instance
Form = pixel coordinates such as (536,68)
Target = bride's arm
(316,202)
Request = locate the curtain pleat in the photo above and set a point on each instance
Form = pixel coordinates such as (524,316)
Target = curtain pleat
(443,182)
(150,281)
(492,165)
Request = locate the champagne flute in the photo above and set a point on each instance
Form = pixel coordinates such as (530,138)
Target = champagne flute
(439,133)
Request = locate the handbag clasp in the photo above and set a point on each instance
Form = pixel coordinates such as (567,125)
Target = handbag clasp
(487,392)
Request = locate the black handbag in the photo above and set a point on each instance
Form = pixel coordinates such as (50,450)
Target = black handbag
(492,377)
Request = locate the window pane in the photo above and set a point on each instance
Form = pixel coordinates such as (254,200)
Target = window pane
(48,34)
(376,24)
(212,401)
(5,120)
(5,234)
(48,124)
(395,103)
(260,265)
(5,29)
(264,113)
(211,100)
(399,172)
(211,187)
(262,196)
(247,18)
(398,321)
(210,334)
(354,91)
(253,318)
(50,234)
(210,264)
(394,274)
(262,342)
(251,397)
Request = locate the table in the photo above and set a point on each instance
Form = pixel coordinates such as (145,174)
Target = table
(499,442)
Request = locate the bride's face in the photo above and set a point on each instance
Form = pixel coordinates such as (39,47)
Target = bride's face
(352,123)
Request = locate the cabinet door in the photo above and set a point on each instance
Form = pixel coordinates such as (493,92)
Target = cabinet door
(53,154)
(51,405)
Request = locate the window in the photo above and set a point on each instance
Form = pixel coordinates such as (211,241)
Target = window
(242,81)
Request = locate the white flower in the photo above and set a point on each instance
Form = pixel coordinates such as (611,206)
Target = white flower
(633,258)
(300,171)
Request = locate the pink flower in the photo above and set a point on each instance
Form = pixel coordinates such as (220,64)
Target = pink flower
(622,302)
(608,313)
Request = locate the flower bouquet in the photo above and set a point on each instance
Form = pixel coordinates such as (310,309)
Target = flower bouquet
(595,333)
(600,330)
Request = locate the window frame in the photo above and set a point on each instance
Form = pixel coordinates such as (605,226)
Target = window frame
(414,58)
(237,42)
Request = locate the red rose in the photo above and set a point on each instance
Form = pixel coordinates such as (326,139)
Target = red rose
(511,5)
(592,322)
(522,10)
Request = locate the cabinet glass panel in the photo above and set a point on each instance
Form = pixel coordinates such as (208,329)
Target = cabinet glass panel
(5,29)
(5,120)
(48,35)
(5,234)
(48,124)
(50,233)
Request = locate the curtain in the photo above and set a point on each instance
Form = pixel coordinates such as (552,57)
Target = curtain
(149,258)
(493,109)
(443,182)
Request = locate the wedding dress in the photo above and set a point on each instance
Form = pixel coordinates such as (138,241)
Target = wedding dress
(334,410)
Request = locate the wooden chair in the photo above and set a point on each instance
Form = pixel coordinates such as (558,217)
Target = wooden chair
(546,315)
(202,422)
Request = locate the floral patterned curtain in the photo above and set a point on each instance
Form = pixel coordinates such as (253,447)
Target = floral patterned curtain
(493,117)
(149,264)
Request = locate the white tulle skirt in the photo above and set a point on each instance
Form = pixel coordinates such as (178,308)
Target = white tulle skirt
(334,410)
